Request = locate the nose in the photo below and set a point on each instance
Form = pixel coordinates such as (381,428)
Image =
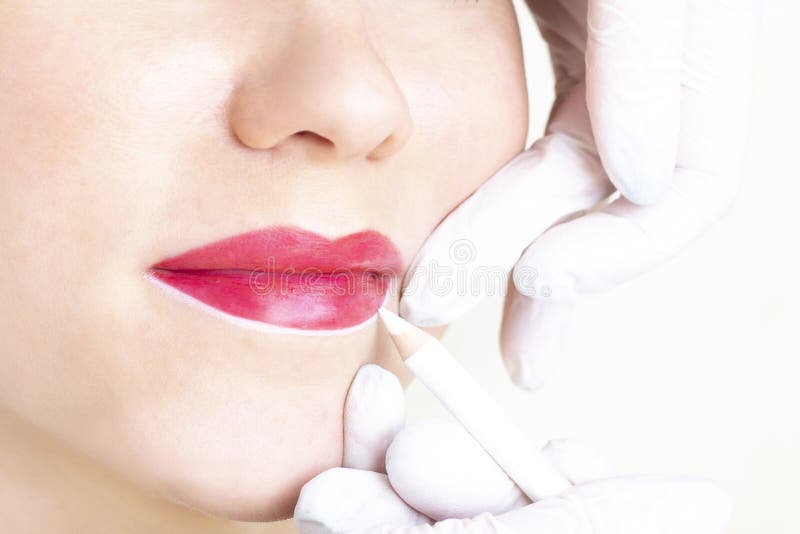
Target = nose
(327,92)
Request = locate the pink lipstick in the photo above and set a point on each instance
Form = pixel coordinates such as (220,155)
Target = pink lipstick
(288,277)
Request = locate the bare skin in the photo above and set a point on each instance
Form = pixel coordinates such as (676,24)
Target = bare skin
(132,131)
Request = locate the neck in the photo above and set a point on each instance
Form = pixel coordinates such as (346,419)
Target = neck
(47,487)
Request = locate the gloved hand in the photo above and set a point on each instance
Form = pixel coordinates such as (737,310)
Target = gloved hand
(651,100)
(455,487)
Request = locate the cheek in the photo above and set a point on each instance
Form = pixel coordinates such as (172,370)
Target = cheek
(469,123)
(489,127)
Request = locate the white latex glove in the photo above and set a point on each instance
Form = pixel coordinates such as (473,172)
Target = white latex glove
(437,468)
(656,91)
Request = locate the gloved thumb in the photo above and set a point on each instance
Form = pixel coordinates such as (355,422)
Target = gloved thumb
(438,468)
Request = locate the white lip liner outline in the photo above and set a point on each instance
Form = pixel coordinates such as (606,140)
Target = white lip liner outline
(250,324)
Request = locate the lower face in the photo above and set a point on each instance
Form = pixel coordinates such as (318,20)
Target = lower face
(118,157)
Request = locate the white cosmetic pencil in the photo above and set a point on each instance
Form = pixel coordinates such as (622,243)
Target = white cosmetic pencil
(480,415)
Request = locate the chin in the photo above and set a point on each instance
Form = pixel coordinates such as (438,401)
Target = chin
(261,503)
(259,490)
(235,456)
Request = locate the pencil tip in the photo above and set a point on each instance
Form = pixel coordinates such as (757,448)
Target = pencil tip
(393,322)
(407,338)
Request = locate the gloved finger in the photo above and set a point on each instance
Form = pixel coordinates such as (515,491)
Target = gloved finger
(342,500)
(626,505)
(577,460)
(594,253)
(718,72)
(438,468)
(562,25)
(532,337)
(607,247)
(471,252)
(602,249)
(633,88)
(374,412)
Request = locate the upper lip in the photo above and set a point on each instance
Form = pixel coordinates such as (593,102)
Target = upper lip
(291,250)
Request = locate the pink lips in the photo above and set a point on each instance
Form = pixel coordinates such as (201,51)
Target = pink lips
(288,277)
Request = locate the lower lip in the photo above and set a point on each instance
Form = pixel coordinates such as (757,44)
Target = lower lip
(288,277)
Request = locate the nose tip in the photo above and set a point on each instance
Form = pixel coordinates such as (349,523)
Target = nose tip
(330,97)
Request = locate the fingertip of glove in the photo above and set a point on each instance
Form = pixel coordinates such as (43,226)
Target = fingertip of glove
(531,339)
(313,511)
(423,312)
(530,382)
(375,395)
(524,369)
(643,192)
(350,500)
(371,379)
(639,163)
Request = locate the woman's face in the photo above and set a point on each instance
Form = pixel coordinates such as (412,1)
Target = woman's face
(133,131)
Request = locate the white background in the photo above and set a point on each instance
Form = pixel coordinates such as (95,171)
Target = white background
(704,381)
